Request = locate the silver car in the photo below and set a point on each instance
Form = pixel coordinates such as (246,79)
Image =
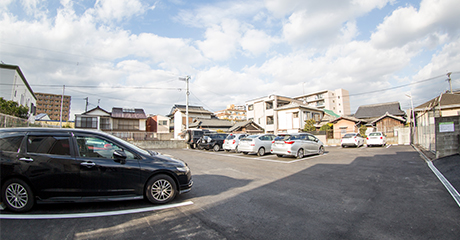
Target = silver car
(296,144)
(259,144)
(232,141)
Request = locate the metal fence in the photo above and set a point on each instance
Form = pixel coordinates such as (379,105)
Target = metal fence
(10,121)
(424,134)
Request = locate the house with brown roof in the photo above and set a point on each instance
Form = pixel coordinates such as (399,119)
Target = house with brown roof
(383,117)
(345,124)
(213,124)
(178,117)
(246,127)
(120,119)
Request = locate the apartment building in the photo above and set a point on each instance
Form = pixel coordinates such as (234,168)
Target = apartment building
(336,100)
(51,105)
(280,114)
(232,113)
(15,87)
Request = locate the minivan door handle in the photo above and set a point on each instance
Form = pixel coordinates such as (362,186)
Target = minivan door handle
(88,164)
(26,159)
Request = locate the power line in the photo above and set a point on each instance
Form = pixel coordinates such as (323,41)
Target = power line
(405,85)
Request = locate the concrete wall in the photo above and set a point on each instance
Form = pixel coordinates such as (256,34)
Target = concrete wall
(158,144)
(447,136)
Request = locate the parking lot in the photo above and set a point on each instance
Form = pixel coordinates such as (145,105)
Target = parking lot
(351,193)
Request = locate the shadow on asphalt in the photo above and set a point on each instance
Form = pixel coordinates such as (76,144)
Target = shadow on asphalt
(199,189)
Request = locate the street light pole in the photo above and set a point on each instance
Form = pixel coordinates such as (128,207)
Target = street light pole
(450,81)
(187,93)
(413,114)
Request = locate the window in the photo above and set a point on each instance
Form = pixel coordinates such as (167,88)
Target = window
(94,147)
(295,115)
(10,143)
(268,105)
(270,120)
(163,122)
(105,123)
(47,144)
(126,124)
(250,107)
(86,122)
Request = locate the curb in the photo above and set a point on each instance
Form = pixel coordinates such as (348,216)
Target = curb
(453,192)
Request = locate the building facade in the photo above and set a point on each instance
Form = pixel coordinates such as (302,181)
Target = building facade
(232,113)
(51,105)
(14,87)
(262,111)
(336,100)
(120,119)
(179,119)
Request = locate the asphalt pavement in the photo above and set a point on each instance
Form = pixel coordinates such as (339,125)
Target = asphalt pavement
(348,193)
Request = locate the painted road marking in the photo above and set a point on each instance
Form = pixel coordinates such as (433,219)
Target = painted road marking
(88,215)
(264,158)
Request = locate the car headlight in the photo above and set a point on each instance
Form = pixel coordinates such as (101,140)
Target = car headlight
(185,169)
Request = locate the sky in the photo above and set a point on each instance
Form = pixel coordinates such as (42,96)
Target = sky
(134,53)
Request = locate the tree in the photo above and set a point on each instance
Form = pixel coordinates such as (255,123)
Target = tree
(362,130)
(309,125)
(12,108)
(325,127)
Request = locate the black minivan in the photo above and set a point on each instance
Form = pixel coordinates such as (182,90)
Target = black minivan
(70,165)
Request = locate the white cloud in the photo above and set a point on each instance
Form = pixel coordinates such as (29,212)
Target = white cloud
(256,42)
(408,24)
(319,23)
(221,40)
(118,10)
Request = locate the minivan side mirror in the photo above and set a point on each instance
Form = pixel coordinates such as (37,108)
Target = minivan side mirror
(119,156)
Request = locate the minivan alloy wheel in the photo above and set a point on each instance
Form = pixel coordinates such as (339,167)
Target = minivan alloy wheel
(18,196)
(161,189)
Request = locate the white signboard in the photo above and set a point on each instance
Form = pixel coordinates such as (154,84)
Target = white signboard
(446,127)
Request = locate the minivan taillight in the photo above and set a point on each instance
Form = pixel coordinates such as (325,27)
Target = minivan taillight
(289,142)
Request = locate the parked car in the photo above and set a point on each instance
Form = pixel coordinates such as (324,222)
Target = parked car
(212,141)
(54,165)
(376,139)
(259,144)
(193,135)
(296,144)
(352,140)
(232,141)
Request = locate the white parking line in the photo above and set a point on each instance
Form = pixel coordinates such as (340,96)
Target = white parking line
(88,215)
(267,156)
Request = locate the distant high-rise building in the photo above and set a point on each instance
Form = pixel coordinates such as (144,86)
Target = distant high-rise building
(51,105)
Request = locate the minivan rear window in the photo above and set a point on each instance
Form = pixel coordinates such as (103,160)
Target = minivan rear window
(10,143)
(58,145)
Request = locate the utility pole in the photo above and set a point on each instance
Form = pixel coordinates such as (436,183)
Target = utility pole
(413,117)
(187,93)
(62,102)
(86,106)
(450,81)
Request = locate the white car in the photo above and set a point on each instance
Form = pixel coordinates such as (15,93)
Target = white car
(352,140)
(232,141)
(296,144)
(259,144)
(376,139)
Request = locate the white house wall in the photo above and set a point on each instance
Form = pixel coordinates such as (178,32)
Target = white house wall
(177,124)
(142,125)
